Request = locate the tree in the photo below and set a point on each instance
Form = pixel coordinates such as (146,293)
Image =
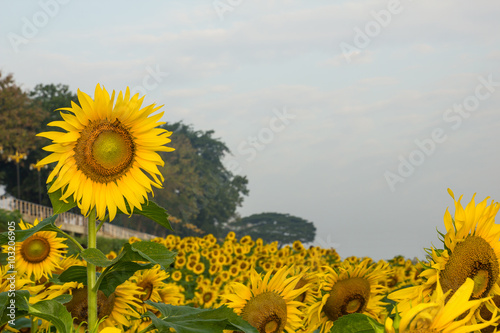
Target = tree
(215,192)
(284,228)
(19,119)
(42,101)
(51,97)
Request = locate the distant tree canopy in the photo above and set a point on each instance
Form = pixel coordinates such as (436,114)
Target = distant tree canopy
(22,116)
(198,188)
(284,228)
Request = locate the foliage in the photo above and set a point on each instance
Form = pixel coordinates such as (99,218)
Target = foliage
(19,117)
(284,228)
(6,216)
(198,187)
(23,115)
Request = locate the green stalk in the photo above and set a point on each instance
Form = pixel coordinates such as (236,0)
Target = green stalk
(34,324)
(91,277)
(100,224)
(74,241)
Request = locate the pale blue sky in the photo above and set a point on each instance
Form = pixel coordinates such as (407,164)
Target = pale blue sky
(351,118)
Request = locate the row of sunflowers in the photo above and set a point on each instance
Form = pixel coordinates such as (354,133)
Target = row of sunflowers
(292,288)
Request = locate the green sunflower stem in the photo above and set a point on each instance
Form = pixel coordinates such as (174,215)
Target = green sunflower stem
(101,223)
(91,276)
(34,324)
(74,241)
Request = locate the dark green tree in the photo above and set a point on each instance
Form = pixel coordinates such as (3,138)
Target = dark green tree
(216,191)
(20,117)
(284,228)
(43,100)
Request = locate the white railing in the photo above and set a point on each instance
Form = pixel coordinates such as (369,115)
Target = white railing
(67,221)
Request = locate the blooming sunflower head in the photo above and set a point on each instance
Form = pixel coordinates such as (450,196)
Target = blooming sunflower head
(268,304)
(472,243)
(348,289)
(441,313)
(106,151)
(40,254)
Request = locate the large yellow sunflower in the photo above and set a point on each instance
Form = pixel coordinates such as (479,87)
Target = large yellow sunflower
(348,289)
(472,250)
(106,151)
(442,313)
(472,241)
(40,254)
(268,304)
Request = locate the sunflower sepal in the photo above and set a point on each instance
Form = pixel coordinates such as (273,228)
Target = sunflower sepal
(357,322)
(187,319)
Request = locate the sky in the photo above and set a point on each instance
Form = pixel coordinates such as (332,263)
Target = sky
(355,115)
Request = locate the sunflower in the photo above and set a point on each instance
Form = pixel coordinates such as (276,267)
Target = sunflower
(176,276)
(78,305)
(206,297)
(472,241)
(124,307)
(105,151)
(150,282)
(349,289)
(442,313)
(172,293)
(268,304)
(471,251)
(40,254)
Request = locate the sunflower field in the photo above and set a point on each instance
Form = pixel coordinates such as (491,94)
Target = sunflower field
(107,165)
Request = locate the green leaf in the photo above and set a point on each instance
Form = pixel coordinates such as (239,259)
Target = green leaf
(124,266)
(119,273)
(63,299)
(357,323)
(186,319)
(21,235)
(17,302)
(154,212)
(96,257)
(74,273)
(155,253)
(58,205)
(55,313)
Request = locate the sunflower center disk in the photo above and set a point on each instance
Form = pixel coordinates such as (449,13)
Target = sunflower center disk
(78,306)
(346,297)
(35,249)
(473,258)
(104,151)
(110,150)
(148,288)
(267,312)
